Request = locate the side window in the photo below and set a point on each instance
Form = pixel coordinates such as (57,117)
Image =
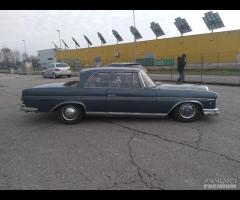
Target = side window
(136,83)
(122,80)
(98,80)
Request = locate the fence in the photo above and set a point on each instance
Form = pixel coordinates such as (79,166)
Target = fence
(218,67)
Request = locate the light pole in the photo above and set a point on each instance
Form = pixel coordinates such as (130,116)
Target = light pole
(24,42)
(134,37)
(59,37)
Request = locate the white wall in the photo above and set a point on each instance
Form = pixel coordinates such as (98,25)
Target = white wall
(47,56)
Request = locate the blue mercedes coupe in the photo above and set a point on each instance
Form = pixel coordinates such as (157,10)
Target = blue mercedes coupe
(119,91)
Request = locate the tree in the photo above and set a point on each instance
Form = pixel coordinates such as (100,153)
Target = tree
(35,61)
(8,57)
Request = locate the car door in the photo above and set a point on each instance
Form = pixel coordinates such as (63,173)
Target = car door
(126,95)
(94,92)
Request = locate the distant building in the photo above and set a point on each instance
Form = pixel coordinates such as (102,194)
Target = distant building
(47,56)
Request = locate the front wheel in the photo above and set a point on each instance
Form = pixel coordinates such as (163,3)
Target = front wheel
(70,114)
(187,112)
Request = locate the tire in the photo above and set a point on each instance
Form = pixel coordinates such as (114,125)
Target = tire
(43,75)
(70,114)
(69,76)
(54,76)
(187,112)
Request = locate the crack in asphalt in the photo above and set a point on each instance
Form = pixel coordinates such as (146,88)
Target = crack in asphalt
(176,142)
(140,171)
(200,135)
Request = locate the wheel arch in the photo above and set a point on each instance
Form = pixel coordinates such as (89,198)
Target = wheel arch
(185,101)
(68,102)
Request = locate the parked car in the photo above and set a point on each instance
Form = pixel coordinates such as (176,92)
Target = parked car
(119,91)
(135,65)
(56,70)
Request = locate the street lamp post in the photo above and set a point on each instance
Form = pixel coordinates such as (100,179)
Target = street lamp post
(135,42)
(24,42)
(59,37)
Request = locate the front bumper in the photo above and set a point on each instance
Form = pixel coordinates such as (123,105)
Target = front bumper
(23,107)
(211,112)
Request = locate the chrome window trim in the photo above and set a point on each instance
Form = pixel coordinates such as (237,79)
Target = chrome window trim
(140,86)
(140,75)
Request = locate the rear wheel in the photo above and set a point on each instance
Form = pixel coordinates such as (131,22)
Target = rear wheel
(187,112)
(70,114)
(54,75)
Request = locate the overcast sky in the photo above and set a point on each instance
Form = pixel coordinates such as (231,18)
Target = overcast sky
(38,28)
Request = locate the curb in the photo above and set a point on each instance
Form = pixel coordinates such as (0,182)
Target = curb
(203,83)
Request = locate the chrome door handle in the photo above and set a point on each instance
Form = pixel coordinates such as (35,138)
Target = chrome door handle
(112,95)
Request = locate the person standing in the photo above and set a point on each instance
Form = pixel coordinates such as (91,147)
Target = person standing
(181,62)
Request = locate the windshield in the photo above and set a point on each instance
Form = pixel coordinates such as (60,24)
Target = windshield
(147,80)
(61,65)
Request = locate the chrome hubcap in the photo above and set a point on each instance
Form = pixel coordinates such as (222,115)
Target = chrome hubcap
(187,111)
(69,113)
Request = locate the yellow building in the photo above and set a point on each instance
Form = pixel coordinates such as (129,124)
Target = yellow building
(220,47)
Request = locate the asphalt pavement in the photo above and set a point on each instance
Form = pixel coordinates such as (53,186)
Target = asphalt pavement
(38,152)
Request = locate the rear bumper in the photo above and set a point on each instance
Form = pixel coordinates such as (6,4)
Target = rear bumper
(28,109)
(63,73)
(211,112)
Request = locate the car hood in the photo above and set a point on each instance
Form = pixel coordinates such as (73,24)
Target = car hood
(183,87)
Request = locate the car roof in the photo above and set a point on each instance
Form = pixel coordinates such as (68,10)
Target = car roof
(110,69)
(125,63)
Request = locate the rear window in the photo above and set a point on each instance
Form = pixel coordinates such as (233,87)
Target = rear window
(61,65)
